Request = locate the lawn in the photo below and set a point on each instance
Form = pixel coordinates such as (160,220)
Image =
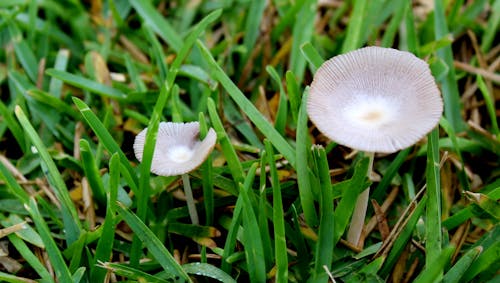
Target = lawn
(85,195)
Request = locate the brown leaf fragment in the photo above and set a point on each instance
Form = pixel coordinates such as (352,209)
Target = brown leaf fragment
(383,227)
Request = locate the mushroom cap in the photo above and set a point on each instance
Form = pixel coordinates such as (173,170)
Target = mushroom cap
(178,149)
(375,99)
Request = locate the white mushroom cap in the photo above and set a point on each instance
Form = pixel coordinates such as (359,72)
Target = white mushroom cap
(375,99)
(178,149)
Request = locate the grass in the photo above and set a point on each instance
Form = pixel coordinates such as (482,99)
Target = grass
(79,80)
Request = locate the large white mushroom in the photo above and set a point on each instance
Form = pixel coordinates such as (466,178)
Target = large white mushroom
(374,99)
(178,151)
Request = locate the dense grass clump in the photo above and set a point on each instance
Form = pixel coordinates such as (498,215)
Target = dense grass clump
(79,81)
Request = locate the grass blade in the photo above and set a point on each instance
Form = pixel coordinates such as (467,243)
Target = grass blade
(252,240)
(459,269)
(248,108)
(154,245)
(280,250)
(433,272)
(312,56)
(324,245)
(70,217)
(354,33)
(92,172)
(87,84)
(303,171)
(56,259)
(62,58)
(158,23)
(13,126)
(433,211)
(104,248)
(252,26)
(208,270)
(302,32)
(106,139)
(282,112)
(145,168)
(227,148)
(449,85)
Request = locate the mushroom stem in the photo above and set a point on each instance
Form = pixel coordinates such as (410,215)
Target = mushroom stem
(358,217)
(190,200)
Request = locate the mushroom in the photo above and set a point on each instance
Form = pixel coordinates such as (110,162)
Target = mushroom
(178,151)
(374,99)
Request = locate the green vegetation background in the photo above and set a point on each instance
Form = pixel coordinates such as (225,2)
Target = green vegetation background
(78,80)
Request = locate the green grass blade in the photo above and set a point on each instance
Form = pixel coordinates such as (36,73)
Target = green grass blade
(227,148)
(282,112)
(303,176)
(6,277)
(252,240)
(302,32)
(433,272)
(70,217)
(263,213)
(158,23)
(92,172)
(133,273)
(208,270)
(106,138)
(104,248)
(13,126)
(252,26)
(354,31)
(232,232)
(56,259)
(87,84)
(400,10)
(486,261)
(189,43)
(248,108)
(460,267)
(24,53)
(449,85)
(28,255)
(56,103)
(145,168)
(280,249)
(13,185)
(350,190)
(433,211)
(293,94)
(157,52)
(490,105)
(492,30)
(207,174)
(324,245)
(312,56)
(410,40)
(446,126)
(154,245)
(135,78)
(62,58)
(391,172)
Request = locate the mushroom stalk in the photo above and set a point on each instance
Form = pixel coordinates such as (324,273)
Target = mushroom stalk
(358,216)
(193,214)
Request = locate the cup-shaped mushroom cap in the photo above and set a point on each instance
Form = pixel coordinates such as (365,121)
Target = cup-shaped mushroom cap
(178,148)
(375,99)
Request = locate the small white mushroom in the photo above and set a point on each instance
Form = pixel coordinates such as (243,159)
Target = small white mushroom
(178,151)
(375,99)
(178,148)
